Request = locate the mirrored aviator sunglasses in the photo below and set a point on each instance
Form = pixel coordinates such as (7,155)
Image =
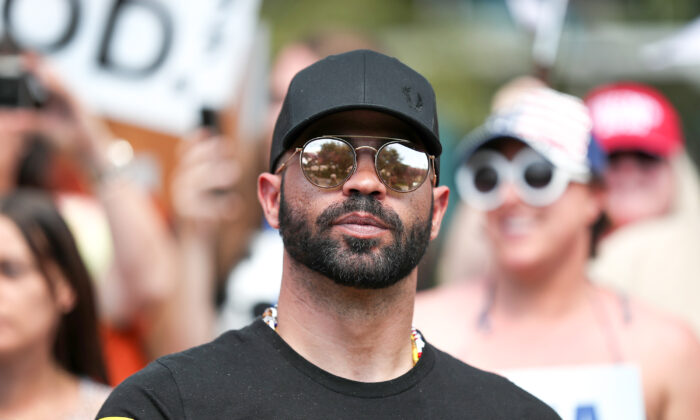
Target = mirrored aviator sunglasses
(329,161)
(537,181)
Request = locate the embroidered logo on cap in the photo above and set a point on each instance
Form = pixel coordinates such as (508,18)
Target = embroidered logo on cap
(416,104)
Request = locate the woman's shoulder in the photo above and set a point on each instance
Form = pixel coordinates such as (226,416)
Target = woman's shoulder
(91,396)
(644,326)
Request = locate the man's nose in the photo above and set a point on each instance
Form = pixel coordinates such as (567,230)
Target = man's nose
(365,180)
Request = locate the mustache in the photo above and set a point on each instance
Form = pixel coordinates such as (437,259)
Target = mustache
(359,203)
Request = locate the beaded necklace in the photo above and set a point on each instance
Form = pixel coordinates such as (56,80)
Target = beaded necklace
(417,343)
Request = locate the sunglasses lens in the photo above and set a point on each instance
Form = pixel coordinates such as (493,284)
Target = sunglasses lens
(485,179)
(401,168)
(538,181)
(327,162)
(538,174)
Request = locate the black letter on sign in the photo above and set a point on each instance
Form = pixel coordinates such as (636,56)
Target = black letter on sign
(51,46)
(166,24)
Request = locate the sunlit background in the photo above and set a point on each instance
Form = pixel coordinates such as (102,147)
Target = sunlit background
(468,48)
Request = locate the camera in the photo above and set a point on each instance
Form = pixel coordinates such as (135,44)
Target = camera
(18,87)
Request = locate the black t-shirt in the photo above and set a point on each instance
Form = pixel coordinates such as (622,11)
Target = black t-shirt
(252,373)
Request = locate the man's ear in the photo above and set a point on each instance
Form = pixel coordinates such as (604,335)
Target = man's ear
(441,196)
(269,187)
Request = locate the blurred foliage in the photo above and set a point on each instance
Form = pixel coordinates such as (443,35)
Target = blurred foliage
(656,10)
(298,19)
(468,48)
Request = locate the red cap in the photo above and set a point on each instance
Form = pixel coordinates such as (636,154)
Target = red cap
(634,117)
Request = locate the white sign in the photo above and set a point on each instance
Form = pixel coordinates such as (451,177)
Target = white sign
(595,392)
(153,63)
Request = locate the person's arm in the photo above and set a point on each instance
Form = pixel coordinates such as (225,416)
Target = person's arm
(143,270)
(143,274)
(206,197)
(150,394)
(682,356)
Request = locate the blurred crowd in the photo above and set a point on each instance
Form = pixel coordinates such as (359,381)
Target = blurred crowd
(573,242)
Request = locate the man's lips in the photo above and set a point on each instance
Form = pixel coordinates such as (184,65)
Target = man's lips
(363,225)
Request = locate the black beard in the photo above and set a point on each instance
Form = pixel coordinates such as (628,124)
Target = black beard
(355,265)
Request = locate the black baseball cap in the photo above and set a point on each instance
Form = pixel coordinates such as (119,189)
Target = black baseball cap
(360,79)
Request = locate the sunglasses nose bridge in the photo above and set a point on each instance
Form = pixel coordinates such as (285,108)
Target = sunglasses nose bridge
(365,161)
(372,154)
(509,193)
(370,148)
(507,190)
(365,178)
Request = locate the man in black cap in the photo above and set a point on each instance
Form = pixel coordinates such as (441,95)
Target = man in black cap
(353,189)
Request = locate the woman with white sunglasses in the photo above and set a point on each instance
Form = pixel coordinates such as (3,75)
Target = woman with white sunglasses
(535,316)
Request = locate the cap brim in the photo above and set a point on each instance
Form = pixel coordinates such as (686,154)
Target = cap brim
(481,136)
(657,148)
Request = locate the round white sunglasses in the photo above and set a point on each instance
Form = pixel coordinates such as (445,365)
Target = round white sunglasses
(537,181)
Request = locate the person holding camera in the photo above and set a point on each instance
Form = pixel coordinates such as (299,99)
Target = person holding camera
(53,143)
